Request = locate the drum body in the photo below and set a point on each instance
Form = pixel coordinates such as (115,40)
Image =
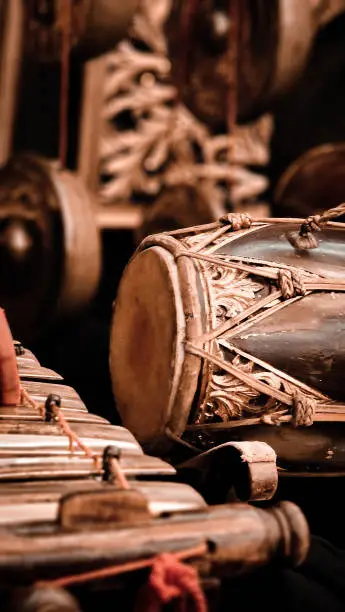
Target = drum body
(221,334)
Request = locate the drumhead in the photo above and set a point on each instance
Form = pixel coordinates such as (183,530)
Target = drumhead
(147,343)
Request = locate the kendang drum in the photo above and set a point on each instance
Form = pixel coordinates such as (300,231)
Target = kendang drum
(236,331)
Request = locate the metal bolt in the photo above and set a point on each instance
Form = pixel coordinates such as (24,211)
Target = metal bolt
(19,349)
(109,453)
(51,402)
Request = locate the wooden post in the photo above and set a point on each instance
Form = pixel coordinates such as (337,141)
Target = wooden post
(11,41)
(91,122)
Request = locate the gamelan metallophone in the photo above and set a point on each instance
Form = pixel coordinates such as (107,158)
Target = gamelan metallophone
(84,510)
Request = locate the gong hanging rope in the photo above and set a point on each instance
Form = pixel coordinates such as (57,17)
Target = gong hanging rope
(233,50)
(65,20)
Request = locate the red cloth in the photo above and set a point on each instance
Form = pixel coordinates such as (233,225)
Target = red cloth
(9,377)
(170,579)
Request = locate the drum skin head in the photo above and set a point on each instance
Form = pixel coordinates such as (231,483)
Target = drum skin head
(146,346)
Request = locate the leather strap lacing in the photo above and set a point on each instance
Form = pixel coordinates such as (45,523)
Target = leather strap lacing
(291,284)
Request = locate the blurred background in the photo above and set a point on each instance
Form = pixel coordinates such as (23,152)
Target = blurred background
(119,121)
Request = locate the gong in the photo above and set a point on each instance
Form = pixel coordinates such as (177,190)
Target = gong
(256,47)
(94,26)
(50,255)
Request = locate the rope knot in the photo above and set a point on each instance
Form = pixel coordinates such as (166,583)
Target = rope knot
(311,224)
(303,410)
(170,579)
(236,221)
(305,239)
(290,283)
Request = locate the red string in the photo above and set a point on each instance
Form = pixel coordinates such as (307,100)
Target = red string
(171,580)
(9,377)
(131,566)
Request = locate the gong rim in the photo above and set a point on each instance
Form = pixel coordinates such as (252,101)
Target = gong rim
(59,272)
(82,243)
(30,283)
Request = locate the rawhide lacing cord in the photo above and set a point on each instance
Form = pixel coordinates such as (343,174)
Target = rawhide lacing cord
(292,284)
(314,223)
(236,221)
(169,579)
(227,223)
(303,409)
(303,406)
(305,239)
